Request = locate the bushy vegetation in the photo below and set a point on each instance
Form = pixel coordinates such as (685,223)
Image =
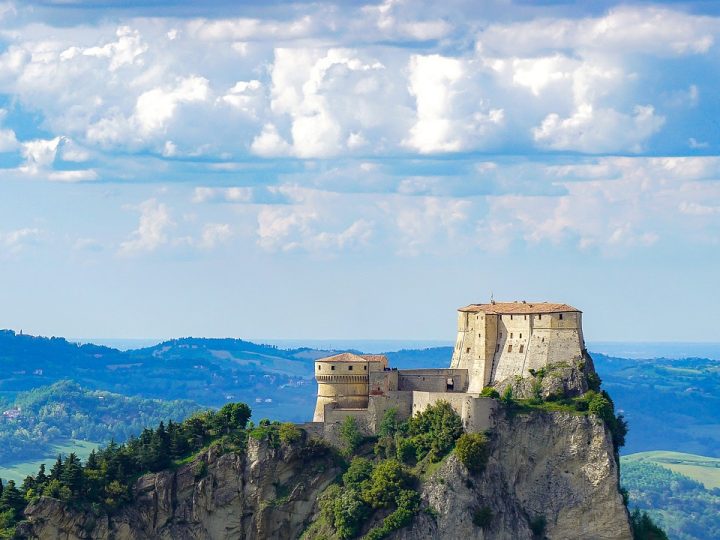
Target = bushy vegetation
(683,507)
(385,485)
(472,450)
(103,483)
(52,414)
(482,517)
(643,527)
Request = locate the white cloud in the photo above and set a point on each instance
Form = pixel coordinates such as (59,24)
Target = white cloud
(269,143)
(13,242)
(698,209)
(39,155)
(126,50)
(214,234)
(152,229)
(156,107)
(442,125)
(588,130)
(8,141)
(624,30)
(232,194)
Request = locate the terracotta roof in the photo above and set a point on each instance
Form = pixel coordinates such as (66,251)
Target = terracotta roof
(351,357)
(518,307)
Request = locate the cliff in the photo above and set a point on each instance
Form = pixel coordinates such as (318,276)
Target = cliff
(550,474)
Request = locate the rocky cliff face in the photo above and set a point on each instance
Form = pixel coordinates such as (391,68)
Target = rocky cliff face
(553,468)
(266,493)
(556,469)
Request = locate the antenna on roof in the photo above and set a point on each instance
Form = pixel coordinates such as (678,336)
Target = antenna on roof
(492,298)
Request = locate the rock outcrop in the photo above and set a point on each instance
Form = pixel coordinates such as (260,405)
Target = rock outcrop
(264,493)
(549,475)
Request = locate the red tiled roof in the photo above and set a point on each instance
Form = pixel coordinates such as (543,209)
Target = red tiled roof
(529,308)
(351,357)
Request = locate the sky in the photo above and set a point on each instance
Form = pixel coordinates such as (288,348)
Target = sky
(356,170)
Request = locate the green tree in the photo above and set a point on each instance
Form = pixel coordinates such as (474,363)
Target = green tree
(350,434)
(232,417)
(472,450)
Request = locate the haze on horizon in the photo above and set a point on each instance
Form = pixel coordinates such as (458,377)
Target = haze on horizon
(308,170)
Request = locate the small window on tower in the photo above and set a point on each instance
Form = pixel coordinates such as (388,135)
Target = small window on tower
(332,368)
(561,316)
(511,335)
(522,348)
(365,368)
(511,317)
(497,347)
(349,368)
(467,350)
(539,317)
(509,348)
(319,367)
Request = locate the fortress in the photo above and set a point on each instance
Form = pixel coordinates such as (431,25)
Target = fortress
(497,343)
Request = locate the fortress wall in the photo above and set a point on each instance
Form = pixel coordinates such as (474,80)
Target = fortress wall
(334,418)
(378,405)
(382,382)
(433,380)
(476,412)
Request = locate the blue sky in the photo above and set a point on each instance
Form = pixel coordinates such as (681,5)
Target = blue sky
(357,170)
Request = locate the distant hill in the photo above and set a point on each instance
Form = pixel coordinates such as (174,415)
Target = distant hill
(45,417)
(670,404)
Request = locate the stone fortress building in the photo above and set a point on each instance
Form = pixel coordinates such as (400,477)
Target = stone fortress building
(496,343)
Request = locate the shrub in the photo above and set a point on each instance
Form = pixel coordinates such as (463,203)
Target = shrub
(472,450)
(389,423)
(490,392)
(360,469)
(434,431)
(406,450)
(593,381)
(289,433)
(350,435)
(482,517)
(507,395)
(387,480)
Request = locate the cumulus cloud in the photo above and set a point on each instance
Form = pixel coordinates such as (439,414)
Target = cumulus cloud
(8,140)
(156,107)
(588,130)
(152,230)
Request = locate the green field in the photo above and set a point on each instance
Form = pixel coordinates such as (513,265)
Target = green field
(705,470)
(19,470)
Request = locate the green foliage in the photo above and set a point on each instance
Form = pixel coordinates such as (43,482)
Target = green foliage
(490,392)
(350,435)
(49,415)
(289,433)
(104,481)
(389,423)
(433,432)
(683,507)
(643,527)
(406,450)
(472,450)
(593,381)
(482,517)
(358,472)
(507,395)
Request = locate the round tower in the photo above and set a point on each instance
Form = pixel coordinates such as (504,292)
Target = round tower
(344,379)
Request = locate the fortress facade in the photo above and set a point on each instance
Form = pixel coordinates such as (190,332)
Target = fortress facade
(496,342)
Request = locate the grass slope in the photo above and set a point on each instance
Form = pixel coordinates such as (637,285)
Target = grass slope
(705,470)
(19,470)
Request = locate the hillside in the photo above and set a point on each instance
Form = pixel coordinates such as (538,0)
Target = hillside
(683,507)
(45,418)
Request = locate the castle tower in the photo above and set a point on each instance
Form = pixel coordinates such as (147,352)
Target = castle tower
(504,339)
(344,379)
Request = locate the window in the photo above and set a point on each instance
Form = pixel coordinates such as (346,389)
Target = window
(479,335)
(511,335)
(525,317)
(497,347)
(522,348)
(511,317)
(467,350)
(332,368)
(539,317)
(561,316)
(349,368)
(319,367)
(509,348)
(520,336)
(365,368)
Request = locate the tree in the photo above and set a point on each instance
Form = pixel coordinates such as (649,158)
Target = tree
(350,434)
(72,474)
(232,417)
(11,499)
(472,451)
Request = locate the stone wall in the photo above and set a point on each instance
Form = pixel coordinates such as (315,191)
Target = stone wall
(477,413)
(433,380)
